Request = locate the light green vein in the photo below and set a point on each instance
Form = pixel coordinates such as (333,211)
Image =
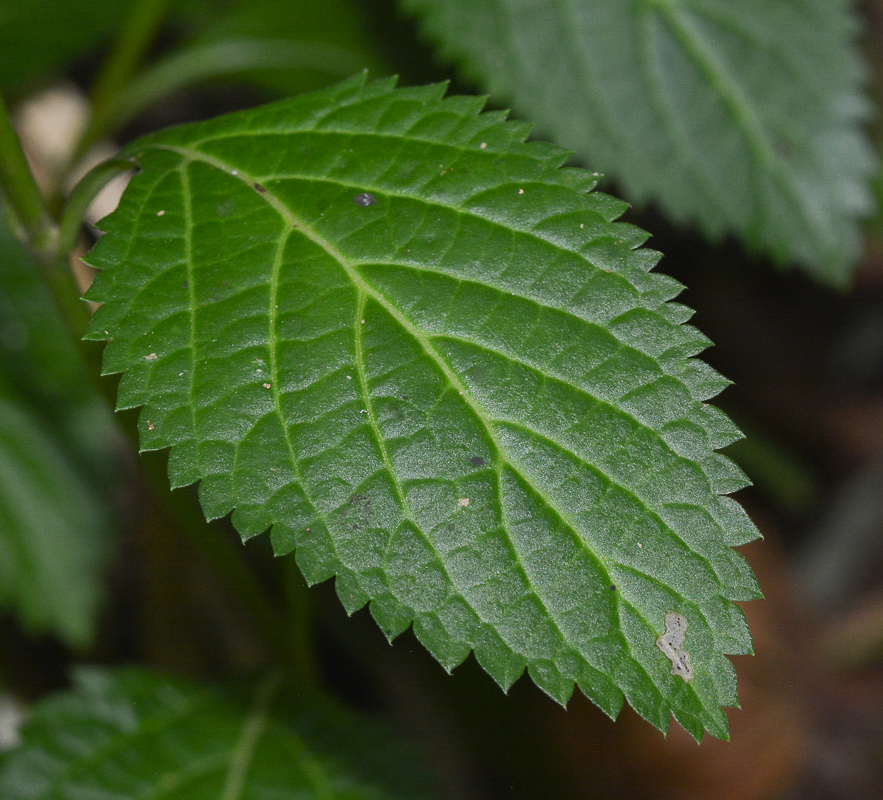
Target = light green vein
(292,222)
(727,88)
(244,750)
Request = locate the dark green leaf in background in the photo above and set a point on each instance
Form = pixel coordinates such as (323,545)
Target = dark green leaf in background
(56,464)
(131,733)
(38,36)
(53,531)
(744,117)
(330,33)
(421,352)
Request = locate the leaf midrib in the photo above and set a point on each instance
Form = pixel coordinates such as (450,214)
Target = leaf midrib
(366,289)
(727,89)
(292,221)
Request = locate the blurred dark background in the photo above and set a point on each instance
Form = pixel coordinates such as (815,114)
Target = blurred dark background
(807,366)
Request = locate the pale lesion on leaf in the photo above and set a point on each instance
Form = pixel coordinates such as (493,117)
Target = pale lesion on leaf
(671,644)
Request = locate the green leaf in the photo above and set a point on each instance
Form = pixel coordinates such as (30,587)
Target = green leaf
(468,400)
(744,117)
(132,733)
(55,474)
(53,531)
(40,364)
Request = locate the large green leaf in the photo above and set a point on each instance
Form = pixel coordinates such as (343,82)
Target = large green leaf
(468,400)
(742,116)
(131,733)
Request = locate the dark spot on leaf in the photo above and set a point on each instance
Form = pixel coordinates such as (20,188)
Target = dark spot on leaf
(476,461)
(406,397)
(612,588)
(260,188)
(364,199)
(360,501)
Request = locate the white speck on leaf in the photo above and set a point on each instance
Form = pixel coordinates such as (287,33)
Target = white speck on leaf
(267,385)
(483,145)
(463,502)
(521,191)
(160,213)
(150,425)
(364,199)
(671,643)
(151,357)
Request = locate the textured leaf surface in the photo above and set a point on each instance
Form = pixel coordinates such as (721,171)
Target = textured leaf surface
(131,733)
(468,400)
(744,117)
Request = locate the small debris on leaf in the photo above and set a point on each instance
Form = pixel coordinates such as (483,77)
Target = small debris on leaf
(364,199)
(671,643)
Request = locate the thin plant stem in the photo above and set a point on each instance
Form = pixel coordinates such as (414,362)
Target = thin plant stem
(20,188)
(82,195)
(136,38)
(205,61)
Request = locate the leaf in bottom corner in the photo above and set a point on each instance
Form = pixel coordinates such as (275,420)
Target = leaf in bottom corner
(132,733)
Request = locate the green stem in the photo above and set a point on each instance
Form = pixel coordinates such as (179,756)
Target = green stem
(83,194)
(135,40)
(202,62)
(20,188)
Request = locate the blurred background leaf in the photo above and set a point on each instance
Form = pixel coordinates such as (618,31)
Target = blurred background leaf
(57,438)
(134,733)
(741,117)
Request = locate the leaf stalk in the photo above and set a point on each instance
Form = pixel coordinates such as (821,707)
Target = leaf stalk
(21,191)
